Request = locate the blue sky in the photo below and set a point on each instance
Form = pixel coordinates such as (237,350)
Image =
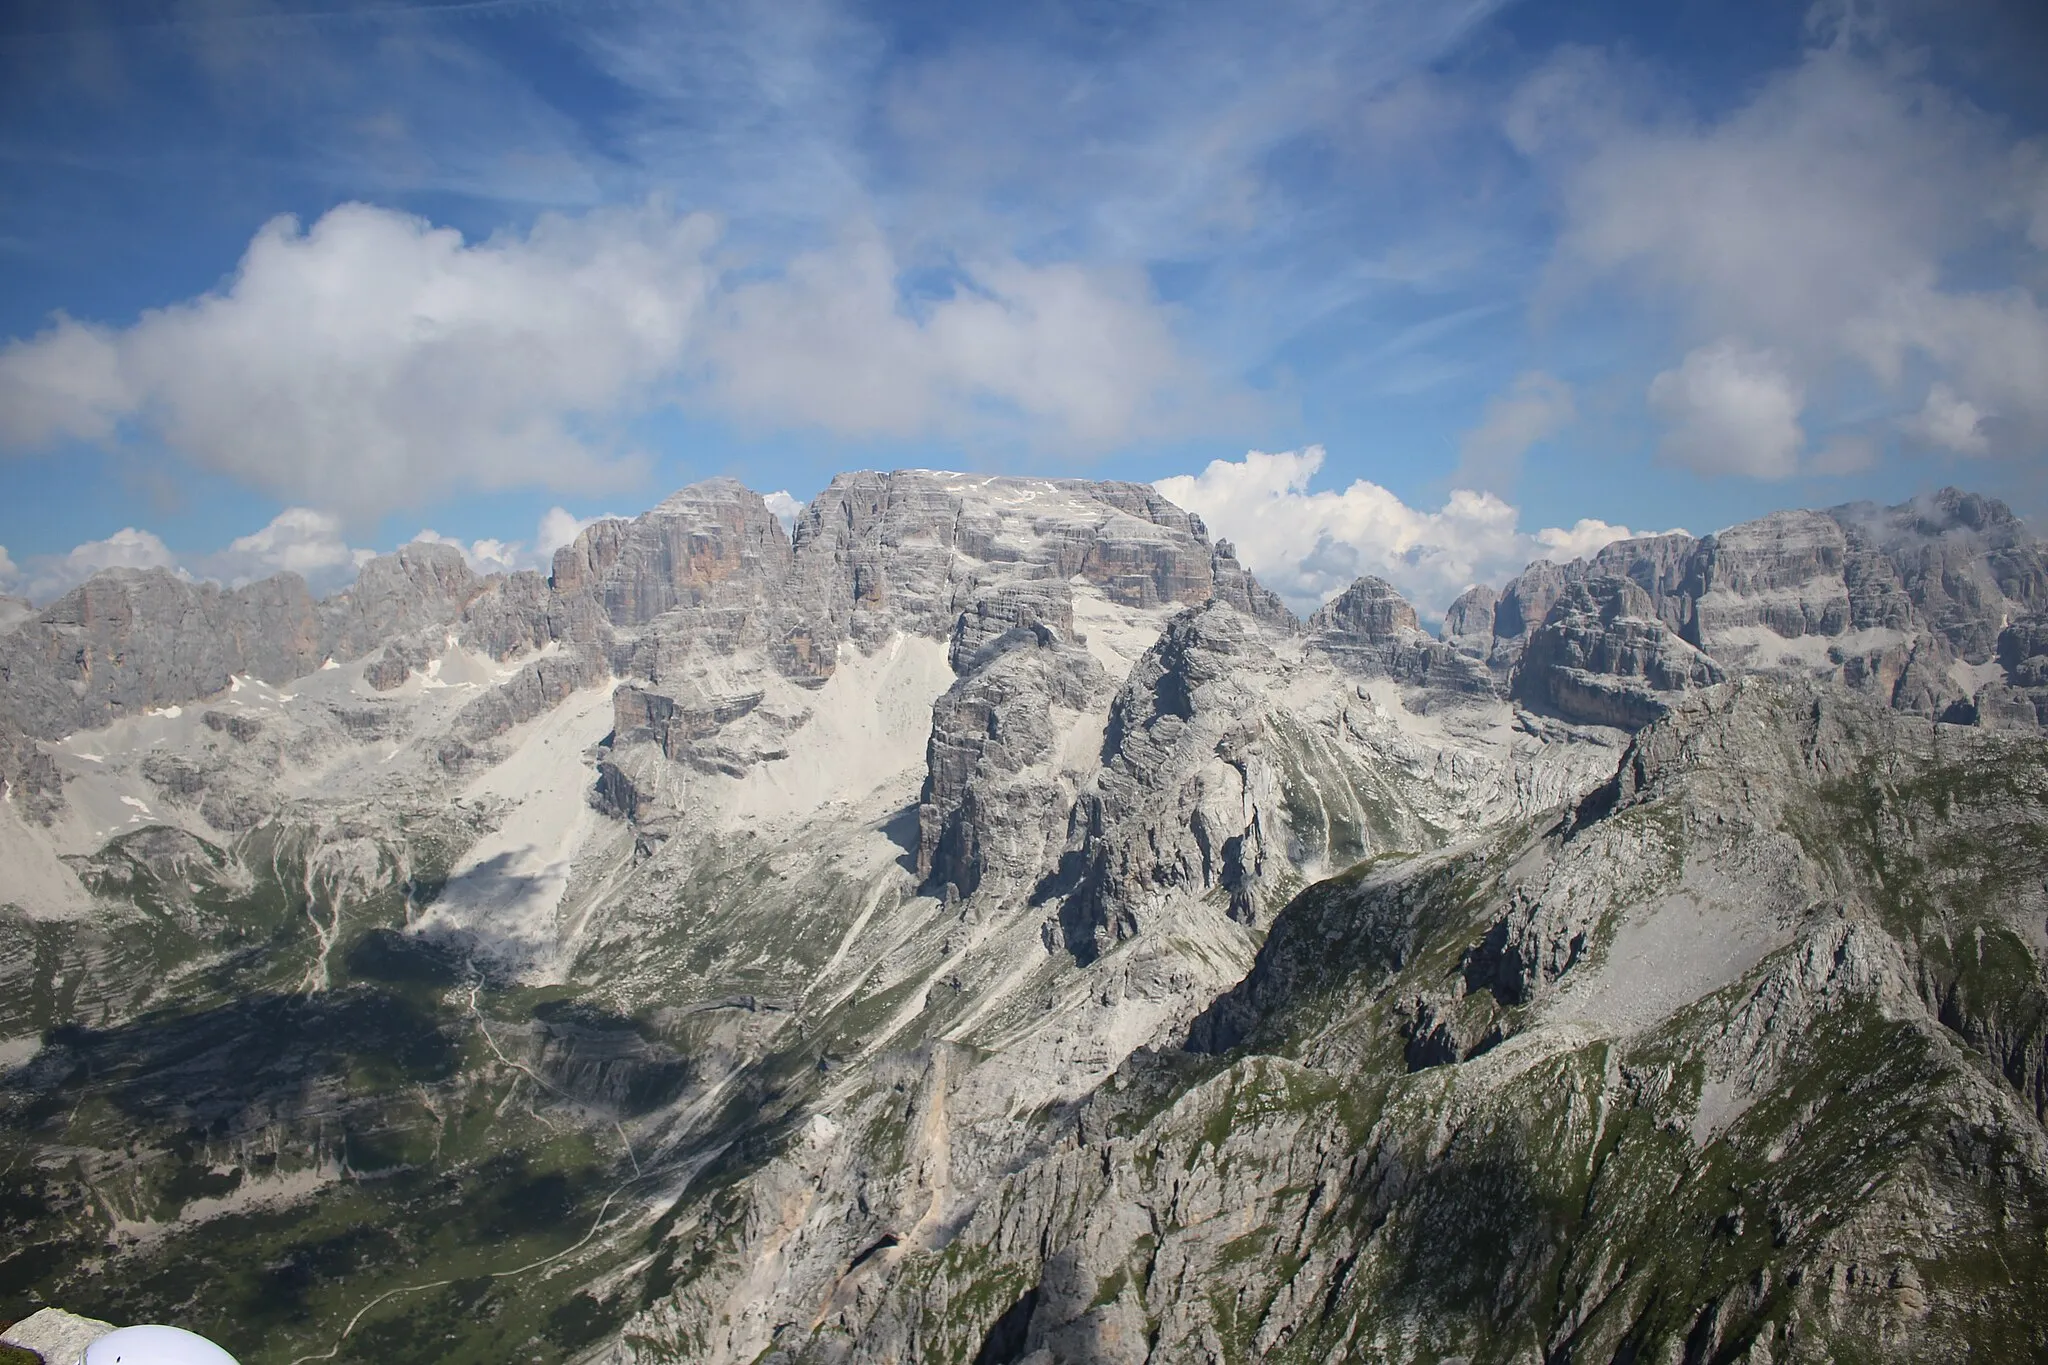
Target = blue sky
(285,280)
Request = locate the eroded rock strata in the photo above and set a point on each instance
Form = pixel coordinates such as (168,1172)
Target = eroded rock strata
(987,925)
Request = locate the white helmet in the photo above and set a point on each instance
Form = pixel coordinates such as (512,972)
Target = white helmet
(155,1346)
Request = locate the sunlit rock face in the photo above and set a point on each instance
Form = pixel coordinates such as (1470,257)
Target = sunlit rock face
(1602,657)
(1372,630)
(985,924)
(1905,604)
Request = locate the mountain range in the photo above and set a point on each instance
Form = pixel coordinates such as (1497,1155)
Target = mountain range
(987,925)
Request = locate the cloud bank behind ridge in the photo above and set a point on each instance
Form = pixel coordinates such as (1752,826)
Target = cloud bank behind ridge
(1308,545)
(372,361)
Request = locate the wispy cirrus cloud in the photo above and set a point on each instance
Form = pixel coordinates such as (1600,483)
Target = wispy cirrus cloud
(1066,231)
(1536,407)
(1825,224)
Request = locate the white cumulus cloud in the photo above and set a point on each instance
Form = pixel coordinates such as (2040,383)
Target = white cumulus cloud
(1731,409)
(1951,422)
(373,361)
(1053,352)
(1585,537)
(557,528)
(1310,544)
(785,507)
(67,382)
(486,554)
(51,576)
(1825,220)
(298,539)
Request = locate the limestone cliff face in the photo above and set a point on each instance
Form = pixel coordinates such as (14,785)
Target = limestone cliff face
(1903,603)
(1177,805)
(1468,623)
(1372,630)
(987,926)
(1661,566)
(1783,574)
(130,639)
(1592,1090)
(2021,699)
(714,544)
(1601,657)
(1234,584)
(892,550)
(989,565)
(991,793)
(417,587)
(705,575)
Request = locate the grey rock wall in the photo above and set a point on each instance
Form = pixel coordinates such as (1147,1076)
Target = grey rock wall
(1602,657)
(1456,1112)
(1468,623)
(1905,603)
(1371,630)
(1178,805)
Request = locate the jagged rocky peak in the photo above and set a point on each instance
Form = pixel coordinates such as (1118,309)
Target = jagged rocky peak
(907,550)
(991,566)
(1965,561)
(709,544)
(1602,657)
(990,793)
(1369,612)
(1233,583)
(516,614)
(1904,603)
(416,585)
(1370,629)
(1174,804)
(1659,565)
(1698,1024)
(1468,622)
(404,601)
(707,574)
